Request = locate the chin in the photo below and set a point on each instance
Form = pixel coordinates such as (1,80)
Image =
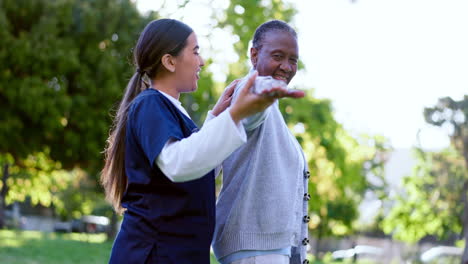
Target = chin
(191,90)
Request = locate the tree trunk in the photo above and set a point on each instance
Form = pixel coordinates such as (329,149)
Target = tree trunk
(465,201)
(319,240)
(3,193)
(465,221)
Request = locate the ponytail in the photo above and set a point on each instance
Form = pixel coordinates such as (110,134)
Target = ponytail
(113,177)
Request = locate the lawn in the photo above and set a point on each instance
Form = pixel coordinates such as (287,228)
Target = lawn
(34,247)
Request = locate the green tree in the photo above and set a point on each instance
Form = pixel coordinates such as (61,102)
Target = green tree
(64,65)
(431,203)
(454,116)
(435,197)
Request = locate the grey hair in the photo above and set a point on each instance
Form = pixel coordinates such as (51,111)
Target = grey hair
(272,25)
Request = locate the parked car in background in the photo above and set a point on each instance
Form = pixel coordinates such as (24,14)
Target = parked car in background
(62,227)
(86,224)
(442,255)
(90,224)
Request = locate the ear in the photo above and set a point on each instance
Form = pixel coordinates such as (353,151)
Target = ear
(168,62)
(254,56)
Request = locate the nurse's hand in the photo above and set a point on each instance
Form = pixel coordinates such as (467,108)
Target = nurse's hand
(249,103)
(225,99)
(281,92)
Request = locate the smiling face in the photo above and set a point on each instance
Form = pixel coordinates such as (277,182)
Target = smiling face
(277,56)
(188,66)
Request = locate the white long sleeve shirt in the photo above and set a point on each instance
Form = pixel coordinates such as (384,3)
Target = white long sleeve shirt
(194,156)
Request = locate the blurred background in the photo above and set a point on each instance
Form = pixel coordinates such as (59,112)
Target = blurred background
(383,126)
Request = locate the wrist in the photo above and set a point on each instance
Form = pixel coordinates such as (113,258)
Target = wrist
(215,112)
(235,115)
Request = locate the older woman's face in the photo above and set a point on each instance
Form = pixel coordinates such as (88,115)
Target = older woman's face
(188,66)
(277,56)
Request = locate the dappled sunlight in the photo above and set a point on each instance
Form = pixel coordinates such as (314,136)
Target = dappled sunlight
(22,234)
(16,239)
(338,228)
(9,239)
(33,247)
(11,242)
(82,237)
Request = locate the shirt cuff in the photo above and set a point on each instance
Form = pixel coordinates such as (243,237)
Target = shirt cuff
(209,116)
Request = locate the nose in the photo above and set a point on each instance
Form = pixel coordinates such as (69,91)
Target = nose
(286,67)
(202,62)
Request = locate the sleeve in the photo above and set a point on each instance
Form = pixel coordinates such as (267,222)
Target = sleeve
(255,120)
(194,156)
(153,124)
(209,117)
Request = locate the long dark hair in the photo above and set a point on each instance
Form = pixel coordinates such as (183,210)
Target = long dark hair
(159,37)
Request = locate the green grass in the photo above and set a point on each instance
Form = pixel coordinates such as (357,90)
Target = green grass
(34,247)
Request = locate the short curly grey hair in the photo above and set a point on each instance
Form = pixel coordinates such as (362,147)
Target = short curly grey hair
(272,25)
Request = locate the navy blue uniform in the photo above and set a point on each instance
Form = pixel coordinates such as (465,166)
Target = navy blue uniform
(165,222)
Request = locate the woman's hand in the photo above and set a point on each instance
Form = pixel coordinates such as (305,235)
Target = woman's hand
(280,92)
(249,103)
(225,99)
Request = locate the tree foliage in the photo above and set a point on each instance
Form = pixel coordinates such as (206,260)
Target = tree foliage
(63,67)
(432,200)
(453,115)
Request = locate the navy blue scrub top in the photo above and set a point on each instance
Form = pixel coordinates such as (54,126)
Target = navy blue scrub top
(165,222)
